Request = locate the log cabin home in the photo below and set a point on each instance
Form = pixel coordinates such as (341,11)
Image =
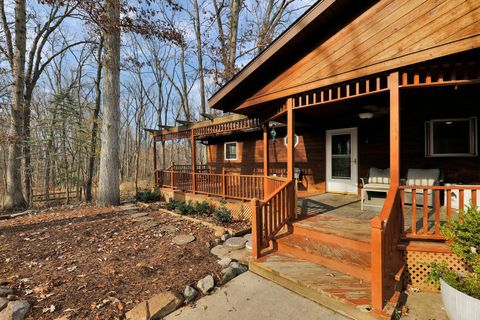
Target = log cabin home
(352,138)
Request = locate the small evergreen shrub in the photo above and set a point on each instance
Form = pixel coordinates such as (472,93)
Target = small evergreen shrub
(148,196)
(172,205)
(463,237)
(203,208)
(223,215)
(185,208)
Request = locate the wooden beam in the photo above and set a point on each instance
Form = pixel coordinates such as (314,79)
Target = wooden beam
(155,177)
(266,158)
(194,161)
(290,139)
(393,85)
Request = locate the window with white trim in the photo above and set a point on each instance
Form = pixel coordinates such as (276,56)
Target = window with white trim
(230,150)
(451,137)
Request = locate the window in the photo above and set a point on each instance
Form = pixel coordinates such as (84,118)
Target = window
(230,151)
(451,137)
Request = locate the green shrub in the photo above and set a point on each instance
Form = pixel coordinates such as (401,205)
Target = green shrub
(203,208)
(172,205)
(148,196)
(463,237)
(185,208)
(223,215)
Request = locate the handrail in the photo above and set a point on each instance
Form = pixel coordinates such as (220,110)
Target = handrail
(271,215)
(386,259)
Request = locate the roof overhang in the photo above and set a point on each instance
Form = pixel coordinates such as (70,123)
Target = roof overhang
(320,22)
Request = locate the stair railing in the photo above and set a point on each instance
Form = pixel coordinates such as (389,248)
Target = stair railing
(271,215)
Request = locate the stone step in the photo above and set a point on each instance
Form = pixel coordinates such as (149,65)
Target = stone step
(347,295)
(344,255)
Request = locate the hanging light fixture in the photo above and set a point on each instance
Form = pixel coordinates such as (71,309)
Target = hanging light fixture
(273,133)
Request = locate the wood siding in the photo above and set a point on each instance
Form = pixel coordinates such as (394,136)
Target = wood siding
(391,34)
(417,106)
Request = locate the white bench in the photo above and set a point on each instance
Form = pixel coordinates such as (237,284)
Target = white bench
(378,181)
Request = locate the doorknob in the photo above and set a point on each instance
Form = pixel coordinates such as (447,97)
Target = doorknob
(355,161)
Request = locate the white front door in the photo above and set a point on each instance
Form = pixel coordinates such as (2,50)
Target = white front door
(342,164)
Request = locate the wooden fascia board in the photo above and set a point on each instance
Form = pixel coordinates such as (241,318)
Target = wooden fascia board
(263,57)
(457,46)
(202,124)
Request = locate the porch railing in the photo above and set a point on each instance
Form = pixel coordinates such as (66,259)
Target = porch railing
(426,208)
(271,215)
(386,260)
(233,186)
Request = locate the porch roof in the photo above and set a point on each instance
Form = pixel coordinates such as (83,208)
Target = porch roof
(357,39)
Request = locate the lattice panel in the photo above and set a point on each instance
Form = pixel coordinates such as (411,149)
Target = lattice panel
(240,210)
(417,267)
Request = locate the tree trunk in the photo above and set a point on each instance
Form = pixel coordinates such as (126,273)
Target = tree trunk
(96,112)
(198,35)
(109,184)
(14,196)
(235,8)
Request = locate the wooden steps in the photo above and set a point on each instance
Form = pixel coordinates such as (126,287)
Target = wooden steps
(338,255)
(347,295)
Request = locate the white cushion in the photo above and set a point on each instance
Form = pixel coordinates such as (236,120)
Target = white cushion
(380,186)
(422,177)
(379,176)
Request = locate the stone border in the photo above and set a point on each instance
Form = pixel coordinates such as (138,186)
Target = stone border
(219,230)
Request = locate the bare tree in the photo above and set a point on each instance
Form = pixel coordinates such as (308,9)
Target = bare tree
(109,176)
(16,54)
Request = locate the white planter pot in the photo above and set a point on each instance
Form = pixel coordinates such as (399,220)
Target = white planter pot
(458,305)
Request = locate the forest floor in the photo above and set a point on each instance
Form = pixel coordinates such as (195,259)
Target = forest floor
(98,263)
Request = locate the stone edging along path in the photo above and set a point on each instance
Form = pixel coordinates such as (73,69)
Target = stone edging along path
(232,255)
(219,230)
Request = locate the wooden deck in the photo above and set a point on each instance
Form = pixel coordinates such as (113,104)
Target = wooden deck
(336,214)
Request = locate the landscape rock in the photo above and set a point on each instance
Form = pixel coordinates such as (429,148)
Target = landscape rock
(162,304)
(5,291)
(190,294)
(228,274)
(220,251)
(248,237)
(225,237)
(15,310)
(235,243)
(219,231)
(139,312)
(224,262)
(139,215)
(143,219)
(183,239)
(3,303)
(206,284)
(238,267)
(168,228)
(150,224)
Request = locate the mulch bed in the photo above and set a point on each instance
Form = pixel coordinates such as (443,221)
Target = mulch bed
(97,263)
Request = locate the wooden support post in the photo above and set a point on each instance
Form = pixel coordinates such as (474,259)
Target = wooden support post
(377,263)
(290,139)
(266,160)
(224,184)
(194,161)
(393,84)
(155,173)
(291,154)
(256,228)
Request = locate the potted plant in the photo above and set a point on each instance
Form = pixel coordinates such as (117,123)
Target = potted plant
(461,290)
